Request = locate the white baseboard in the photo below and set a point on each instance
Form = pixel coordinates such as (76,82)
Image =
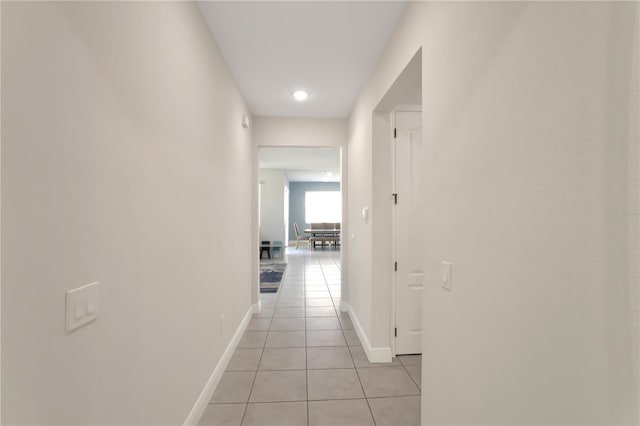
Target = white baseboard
(257,307)
(344,306)
(207,392)
(380,354)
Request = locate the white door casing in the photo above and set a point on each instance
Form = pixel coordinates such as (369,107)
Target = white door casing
(408,238)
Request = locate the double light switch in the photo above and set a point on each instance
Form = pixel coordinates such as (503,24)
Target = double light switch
(82,306)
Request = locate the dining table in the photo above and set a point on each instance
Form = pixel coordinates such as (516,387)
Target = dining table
(316,232)
(322,232)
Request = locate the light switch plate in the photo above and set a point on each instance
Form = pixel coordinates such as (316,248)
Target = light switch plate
(82,306)
(446,275)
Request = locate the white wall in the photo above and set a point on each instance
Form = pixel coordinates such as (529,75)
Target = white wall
(531,169)
(272,225)
(120,120)
(302,132)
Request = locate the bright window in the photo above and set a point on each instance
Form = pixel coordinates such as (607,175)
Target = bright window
(323,206)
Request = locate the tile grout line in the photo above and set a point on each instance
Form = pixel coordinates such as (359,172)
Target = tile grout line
(285,288)
(410,376)
(313,400)
(246,408)
(364,394)
(306,351)
(360,381)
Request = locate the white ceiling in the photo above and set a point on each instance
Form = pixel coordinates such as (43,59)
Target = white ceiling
(303,164)
(328,48)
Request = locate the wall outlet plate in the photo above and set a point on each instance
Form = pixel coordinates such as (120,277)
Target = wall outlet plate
(82,306)
(446,275)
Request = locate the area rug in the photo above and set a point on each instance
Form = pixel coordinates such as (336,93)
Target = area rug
(270,276)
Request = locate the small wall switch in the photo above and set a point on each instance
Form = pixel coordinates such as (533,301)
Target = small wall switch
(365,214)
(446,275)
(82,306)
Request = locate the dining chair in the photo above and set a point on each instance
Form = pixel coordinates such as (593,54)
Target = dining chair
(265,246)
(299,237)
(277,248)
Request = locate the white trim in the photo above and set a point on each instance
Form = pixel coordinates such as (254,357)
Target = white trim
(406,108)
(344,306)
(373,354)
(394,229)
(394,233)
(257,307)
(207,392)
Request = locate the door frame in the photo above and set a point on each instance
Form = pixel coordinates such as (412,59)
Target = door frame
(394,275)
(344,243)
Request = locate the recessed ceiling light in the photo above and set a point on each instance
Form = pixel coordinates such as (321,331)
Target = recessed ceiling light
(300,95)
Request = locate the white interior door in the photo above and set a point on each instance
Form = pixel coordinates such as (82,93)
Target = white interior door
(408,213)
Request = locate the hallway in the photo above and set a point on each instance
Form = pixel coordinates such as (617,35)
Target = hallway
(131,219)
(300,362)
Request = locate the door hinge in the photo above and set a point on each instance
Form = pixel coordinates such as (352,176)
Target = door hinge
(395,133)
(395,198)
(395,332)
(395,267)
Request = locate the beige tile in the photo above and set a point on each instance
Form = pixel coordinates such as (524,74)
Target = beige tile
(316,287)
(259,324)
(286,339)
(352,338)
(415,371)
(396,411)
(268,298)
(329,357)
(222,415)
(323,324)
(387,381)
(265,312)
(410,359)
(317,294)
(361,361)
(276,414)
(245,360)
(346,323)
(274,386)
(292,293)
(283,359)
(287,324)
(233,387)
(289,313)
(325,302)
(322,311)
(252,339)
(290,303)
(334,384)
(325,338)
(352,412)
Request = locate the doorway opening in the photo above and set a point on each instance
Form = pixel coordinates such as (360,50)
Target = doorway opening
(397,151)
(298,185)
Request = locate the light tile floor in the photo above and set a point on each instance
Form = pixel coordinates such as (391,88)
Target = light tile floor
(300,362)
